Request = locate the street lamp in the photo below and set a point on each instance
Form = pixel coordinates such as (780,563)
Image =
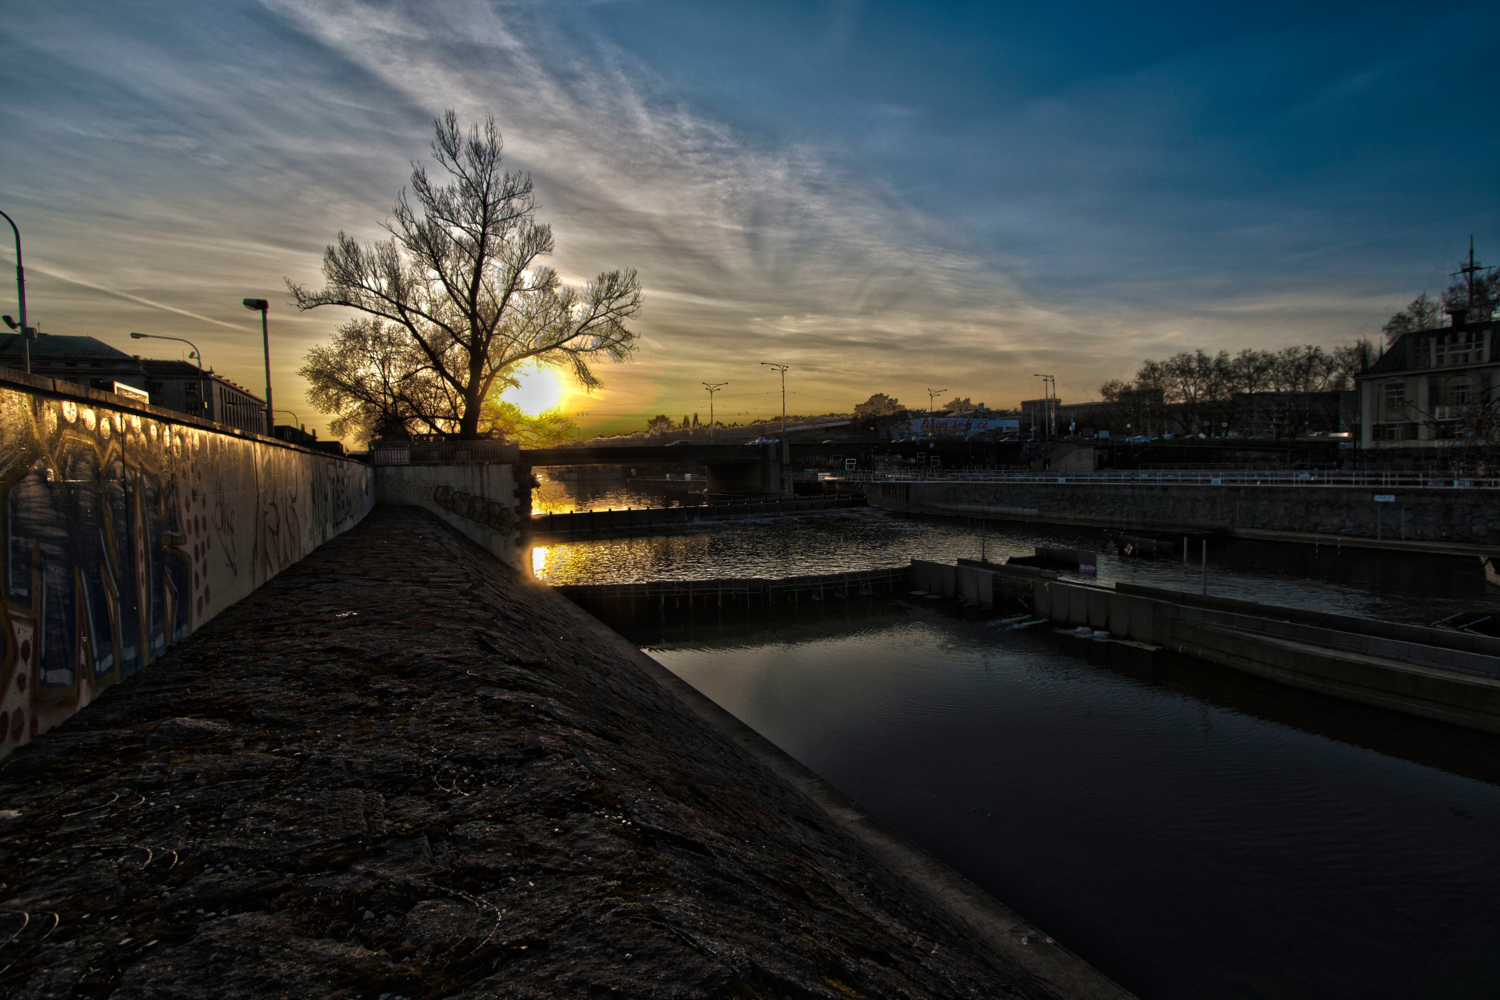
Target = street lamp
(783,370)
(261,306)
(195,354)
(1049,396)
(27,333)
(931,395)
(294,416)
(712,388)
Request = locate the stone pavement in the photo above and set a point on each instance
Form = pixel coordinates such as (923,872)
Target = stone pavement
(401,770)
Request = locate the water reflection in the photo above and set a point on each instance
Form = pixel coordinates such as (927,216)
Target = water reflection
(558,496)
(1393,586)
(1190,843)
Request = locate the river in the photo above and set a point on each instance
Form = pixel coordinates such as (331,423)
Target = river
(1190,830)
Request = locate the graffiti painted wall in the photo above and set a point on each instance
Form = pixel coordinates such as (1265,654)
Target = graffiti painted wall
(125,529)
(487,502)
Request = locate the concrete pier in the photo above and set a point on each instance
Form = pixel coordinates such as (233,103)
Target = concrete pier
(402,769)
(1450,521)
(1453,677)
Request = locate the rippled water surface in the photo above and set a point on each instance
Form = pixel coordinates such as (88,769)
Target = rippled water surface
(1351,581)
(1191,831)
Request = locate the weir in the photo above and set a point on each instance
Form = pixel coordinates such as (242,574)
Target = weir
(1435,673)
(755,592)
(569,524)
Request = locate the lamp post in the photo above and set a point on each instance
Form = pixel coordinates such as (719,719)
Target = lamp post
(712,388)
(27,333)
(932,394)
(195,354)
(1049,396)
(782,369)
(261,306)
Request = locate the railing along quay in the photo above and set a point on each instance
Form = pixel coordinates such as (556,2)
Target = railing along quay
(1132,477)
(578,522)
(756,591)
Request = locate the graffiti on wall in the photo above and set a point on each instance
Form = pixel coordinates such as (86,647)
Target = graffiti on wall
(123,533)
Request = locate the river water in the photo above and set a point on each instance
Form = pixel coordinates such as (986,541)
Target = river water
(1190,830)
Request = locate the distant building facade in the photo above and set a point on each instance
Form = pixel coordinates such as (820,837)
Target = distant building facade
(1425,390)
(175,385)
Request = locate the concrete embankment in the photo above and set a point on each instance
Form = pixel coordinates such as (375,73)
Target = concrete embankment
(1450,676)
(401,769)
(1449,521)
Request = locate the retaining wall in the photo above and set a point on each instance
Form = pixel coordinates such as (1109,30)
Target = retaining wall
(1438,515)
(127,526)
(488,502)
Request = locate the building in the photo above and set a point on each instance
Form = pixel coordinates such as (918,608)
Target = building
(181,386)
(1425,393)
(174,385)
(1292,414)
(84,360)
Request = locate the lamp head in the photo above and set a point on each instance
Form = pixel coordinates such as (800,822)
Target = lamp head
(257,305)
(137,336)
(11,322)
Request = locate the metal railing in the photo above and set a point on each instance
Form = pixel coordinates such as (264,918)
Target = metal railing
(1181,477)
(442,452)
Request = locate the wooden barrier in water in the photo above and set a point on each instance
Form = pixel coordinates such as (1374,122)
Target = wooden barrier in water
(571,524)
(754,592)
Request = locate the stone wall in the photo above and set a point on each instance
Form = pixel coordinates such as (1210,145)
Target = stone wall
(128,526)
(1433,515)
(487,502)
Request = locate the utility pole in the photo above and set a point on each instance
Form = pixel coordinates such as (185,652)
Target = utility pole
(1468,271)
(261,305)
(27,333)
(1049,399)
(932,394)
(712,388)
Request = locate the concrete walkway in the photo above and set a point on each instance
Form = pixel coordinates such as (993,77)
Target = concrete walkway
(400,770)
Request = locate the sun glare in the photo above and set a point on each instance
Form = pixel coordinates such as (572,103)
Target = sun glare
(540,390)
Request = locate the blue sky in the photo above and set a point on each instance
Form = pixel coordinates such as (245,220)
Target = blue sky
(885,196)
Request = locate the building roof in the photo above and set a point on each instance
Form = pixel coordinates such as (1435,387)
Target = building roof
(168,367)
(1398,357)
(57,347)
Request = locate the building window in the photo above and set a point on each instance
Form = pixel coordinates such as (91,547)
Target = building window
(1395,395)
(1459,394)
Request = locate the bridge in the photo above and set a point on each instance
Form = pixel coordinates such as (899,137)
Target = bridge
(732,468)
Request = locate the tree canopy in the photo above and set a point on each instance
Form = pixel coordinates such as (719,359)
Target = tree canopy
(456,299)
(878,405)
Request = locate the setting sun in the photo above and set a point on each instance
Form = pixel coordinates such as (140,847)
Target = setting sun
(541,389)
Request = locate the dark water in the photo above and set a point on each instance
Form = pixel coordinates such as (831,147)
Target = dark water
(1191,831)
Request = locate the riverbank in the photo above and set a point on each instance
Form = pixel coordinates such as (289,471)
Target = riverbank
(399,768)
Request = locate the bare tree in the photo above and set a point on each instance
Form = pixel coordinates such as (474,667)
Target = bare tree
(463,280)
(1423,313)
(375,382)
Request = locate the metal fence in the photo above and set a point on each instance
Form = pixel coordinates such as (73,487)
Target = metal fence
(1185,477)
(442,452)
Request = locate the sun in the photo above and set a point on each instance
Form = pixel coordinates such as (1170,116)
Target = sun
(540,390)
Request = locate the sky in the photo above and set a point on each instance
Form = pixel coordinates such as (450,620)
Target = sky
(888,197)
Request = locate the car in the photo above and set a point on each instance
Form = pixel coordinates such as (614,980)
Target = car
(761,440)
(677,443)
